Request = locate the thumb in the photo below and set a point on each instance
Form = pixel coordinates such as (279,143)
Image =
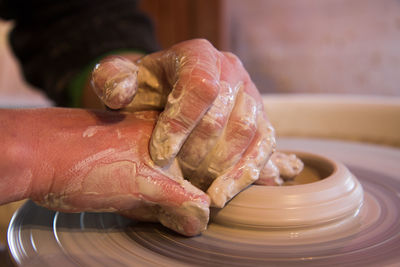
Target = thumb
(114,80)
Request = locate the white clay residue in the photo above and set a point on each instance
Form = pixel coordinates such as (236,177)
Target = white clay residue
(147,187)
(91,130)
(84,163)
(119,134)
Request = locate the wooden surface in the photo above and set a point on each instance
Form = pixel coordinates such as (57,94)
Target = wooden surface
(180,20)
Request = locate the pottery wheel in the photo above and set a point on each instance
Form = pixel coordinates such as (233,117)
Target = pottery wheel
(39,237)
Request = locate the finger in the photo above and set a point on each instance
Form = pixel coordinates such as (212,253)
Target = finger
(269,175)
(247,170)
(153,83)
(194,91)
(239,132)
(288,164)
(114,80)
(204,137)
(149,195)
(236,138)
(176,204)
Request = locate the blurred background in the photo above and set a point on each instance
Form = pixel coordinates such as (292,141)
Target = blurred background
(14,91)
(296,46)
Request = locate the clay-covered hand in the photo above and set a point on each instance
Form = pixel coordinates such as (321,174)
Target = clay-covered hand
(212,116)
(78,160)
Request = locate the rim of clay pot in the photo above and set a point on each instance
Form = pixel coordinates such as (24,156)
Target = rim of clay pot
(337,195)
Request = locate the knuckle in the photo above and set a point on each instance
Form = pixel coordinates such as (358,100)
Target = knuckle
(235,60)
(244,128)
(204,42)
(212,91)
(197,42)
(206,91)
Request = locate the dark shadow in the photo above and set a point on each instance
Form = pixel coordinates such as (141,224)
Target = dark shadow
(107,116)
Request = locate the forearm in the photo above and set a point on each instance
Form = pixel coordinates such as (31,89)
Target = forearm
(17,155)
(37,145)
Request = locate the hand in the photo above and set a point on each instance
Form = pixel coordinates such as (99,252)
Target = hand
(76,160)
(213,119)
